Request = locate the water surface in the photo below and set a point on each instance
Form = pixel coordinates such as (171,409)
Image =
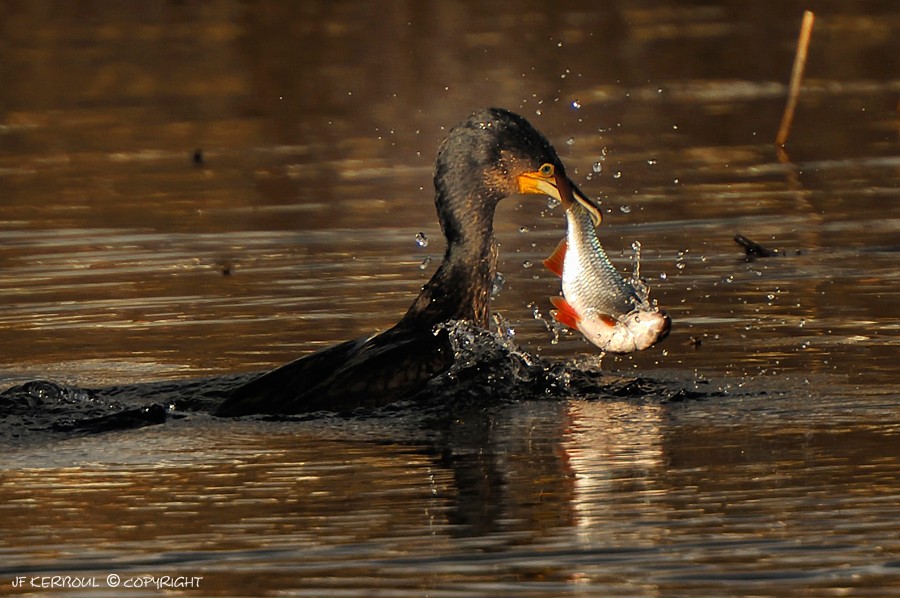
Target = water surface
(123,259)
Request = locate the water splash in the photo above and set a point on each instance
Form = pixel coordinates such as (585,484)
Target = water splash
(551,325)
(636,260)
(497,285)
(640,286)
(504,328)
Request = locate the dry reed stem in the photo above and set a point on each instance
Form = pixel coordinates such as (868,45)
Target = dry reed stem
(796,75)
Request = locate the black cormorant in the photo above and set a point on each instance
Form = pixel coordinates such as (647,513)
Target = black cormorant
(490,156)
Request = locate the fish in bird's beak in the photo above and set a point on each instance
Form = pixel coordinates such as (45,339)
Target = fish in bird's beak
(612,313)
(549,180)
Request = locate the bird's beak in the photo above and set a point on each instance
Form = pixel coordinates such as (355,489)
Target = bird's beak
(558,186)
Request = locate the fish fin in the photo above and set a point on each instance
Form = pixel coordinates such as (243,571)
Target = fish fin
(565,313)
(555,262)
(608,320)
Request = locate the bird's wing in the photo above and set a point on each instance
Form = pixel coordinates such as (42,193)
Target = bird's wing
(366,372)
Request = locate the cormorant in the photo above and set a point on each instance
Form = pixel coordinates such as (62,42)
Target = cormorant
(490,156)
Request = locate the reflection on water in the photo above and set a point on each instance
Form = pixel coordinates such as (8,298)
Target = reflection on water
(540,494)
(124,259)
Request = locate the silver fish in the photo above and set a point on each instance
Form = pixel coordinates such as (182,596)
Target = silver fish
(608,310)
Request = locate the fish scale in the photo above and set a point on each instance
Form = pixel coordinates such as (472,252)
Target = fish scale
(604,290)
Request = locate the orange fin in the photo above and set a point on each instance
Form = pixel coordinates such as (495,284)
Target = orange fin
(555,262)
(608,320)
(565,313)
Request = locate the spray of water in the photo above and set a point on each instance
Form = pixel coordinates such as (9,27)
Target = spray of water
(640,287)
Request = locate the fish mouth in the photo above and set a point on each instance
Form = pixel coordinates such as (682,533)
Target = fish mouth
(639,330)
(650,326)
(666,326)
(570,194)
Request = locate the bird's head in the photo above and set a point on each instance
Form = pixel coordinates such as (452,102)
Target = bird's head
(495,154)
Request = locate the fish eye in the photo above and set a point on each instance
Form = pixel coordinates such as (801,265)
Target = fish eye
(546,169)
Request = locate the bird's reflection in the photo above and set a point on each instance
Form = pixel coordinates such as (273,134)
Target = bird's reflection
(541,466)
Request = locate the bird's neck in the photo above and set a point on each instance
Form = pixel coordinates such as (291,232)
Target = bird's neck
(461,287)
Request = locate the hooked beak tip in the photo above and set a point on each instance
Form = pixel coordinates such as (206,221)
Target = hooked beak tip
(570,194)
(588,204)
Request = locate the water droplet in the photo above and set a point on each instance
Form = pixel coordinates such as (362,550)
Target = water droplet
(523,229)
(680,265)
(641,290)
(425,263)
(663,276)
(527,264)
(729,279)
(421,240)
(618,174)
(552,202)
(570,141)
(625,209)
(651,162)
(497,285)
(597,167)
(576,104)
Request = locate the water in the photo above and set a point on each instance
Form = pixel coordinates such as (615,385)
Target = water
(127,256)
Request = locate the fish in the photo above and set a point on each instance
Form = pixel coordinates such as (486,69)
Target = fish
(614,314)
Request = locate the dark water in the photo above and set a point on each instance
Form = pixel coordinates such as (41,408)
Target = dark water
(317,125)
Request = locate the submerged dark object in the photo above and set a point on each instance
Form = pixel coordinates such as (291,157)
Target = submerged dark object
(490,156)
(752,249)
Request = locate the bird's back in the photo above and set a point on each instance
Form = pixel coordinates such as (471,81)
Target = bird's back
(367,372)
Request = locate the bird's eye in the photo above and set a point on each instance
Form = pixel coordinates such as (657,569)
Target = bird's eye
(547,170)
